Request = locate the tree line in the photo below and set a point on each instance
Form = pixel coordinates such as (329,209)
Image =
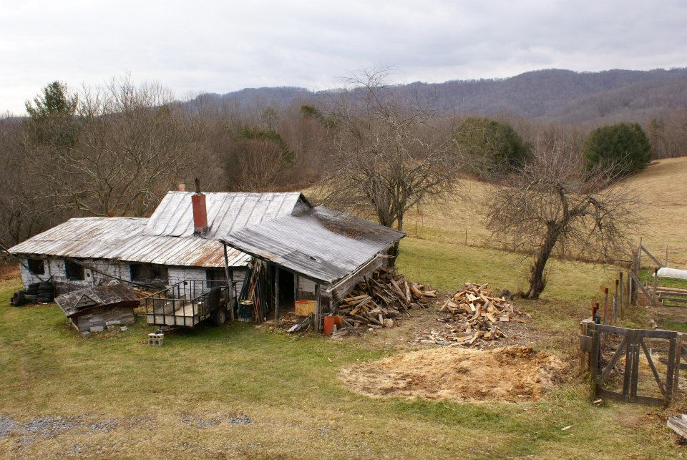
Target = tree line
(116,149)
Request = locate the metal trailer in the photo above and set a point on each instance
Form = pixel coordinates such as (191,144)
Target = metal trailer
(187,303)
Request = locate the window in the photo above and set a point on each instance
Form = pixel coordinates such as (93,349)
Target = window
(147,272)
(37,266)
(74,271)
(215,277)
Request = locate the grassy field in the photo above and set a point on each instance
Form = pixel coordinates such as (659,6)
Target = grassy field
(660,189)
(193,396)
(242,391)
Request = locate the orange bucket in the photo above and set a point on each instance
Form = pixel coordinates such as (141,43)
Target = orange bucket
(331,321)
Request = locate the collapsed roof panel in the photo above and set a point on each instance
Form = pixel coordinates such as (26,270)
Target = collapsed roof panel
(75,302)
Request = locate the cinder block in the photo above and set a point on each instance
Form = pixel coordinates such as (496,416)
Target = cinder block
(155,340)
(96,329)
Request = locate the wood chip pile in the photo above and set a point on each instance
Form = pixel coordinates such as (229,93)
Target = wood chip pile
(472,315)
(379,300)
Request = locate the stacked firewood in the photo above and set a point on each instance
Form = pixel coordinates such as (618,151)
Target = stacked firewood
(472,314)
(380,299)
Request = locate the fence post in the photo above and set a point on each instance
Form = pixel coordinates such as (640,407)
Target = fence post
(655,294)
(605,305)
(629,290)
(620,296)
(615,303)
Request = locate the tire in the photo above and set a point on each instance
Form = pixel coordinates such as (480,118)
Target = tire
(19,299)
(219,316)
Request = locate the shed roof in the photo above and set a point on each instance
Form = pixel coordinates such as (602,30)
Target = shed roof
(123,238)
(74,302)
(320,243)
(226,212)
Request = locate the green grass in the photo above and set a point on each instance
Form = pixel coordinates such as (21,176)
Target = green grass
(288,386)
(646,276)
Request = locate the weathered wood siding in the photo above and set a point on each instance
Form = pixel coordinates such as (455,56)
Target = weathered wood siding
(55,269)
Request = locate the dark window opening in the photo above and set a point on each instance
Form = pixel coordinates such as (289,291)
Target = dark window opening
(37,266)
(215,277)
(74,271)
(147,272)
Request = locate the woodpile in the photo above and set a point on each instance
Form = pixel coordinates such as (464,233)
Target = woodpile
(472,315)
(380,299)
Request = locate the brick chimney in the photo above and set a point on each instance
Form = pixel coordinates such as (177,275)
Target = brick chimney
(200,214)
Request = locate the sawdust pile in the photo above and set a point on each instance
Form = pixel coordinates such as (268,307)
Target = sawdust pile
(503,374)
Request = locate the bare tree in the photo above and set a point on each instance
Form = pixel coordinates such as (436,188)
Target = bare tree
(130,146)
(552,204)
(386,155)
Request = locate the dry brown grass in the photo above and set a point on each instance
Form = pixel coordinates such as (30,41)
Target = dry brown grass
(662,210)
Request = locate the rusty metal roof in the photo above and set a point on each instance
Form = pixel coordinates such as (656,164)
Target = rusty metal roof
(320,243)
(74,302)
(123,238)
(226,212)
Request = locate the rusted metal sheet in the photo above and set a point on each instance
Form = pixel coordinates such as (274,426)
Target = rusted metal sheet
(226,212)
(124,239)
(77,302)
(320,243)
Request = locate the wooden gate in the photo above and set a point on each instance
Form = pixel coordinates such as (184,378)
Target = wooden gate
(631,347)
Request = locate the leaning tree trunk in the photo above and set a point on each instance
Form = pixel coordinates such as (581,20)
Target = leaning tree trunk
(537,281)
(393,250)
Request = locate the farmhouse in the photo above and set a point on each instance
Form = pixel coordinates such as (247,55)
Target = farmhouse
(164,249)
(281,247)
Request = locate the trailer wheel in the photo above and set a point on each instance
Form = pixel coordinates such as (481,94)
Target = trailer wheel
(219,316)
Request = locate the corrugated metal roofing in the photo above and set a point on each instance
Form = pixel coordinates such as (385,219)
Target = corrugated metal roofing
(226,212)
(84,299)
(123,238)
(320,243)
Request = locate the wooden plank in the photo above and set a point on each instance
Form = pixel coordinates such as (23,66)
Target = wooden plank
(613,361)
(594,358)
(672,350)
(678,424)
(628,368)
(651,256)
(634,381)
(644,290)
(653,368)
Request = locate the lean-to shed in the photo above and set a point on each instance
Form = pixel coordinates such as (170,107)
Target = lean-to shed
(99,307)
(326,251)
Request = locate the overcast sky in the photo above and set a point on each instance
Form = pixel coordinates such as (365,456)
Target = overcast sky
(197,46)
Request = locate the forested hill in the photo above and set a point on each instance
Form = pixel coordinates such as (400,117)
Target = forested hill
(553,94)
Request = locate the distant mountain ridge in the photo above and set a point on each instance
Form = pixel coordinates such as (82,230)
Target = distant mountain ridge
(550,94)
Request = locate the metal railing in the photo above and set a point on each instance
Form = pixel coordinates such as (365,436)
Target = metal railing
(182,304)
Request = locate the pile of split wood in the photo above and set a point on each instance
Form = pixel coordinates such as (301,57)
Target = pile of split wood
(380,299)
(472,314)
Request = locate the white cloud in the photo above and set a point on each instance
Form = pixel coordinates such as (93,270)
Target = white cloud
(221,46)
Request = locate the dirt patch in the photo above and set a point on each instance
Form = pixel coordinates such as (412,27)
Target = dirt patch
(512,373)
(8,270)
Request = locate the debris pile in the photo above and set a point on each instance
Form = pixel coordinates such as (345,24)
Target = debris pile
(379,300)
(472,315)
(514,374)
